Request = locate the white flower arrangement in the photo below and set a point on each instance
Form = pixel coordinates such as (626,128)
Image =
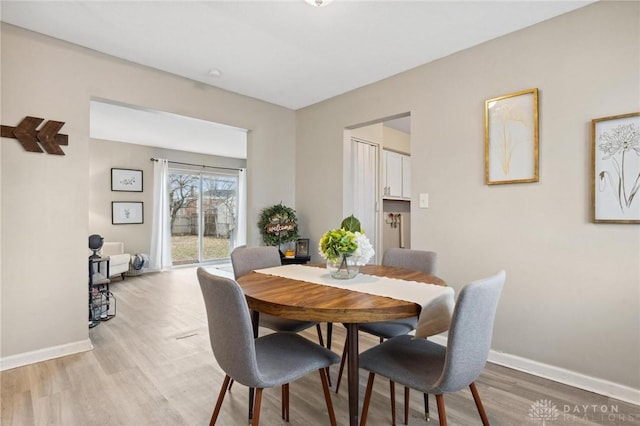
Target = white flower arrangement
(364,252)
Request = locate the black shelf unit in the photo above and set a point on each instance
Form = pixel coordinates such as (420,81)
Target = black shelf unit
(298,260)
(102,303)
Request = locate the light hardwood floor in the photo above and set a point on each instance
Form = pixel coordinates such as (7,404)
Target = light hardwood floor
(152,365)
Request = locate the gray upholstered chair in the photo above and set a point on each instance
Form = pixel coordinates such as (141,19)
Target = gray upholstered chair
(415,260)
(435,369)
(273,360)
(247,259)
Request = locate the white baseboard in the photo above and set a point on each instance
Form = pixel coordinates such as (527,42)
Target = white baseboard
(26,358)
(561,375)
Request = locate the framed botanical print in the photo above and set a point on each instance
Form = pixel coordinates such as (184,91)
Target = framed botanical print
(615,171)
(126,180)
(127,212)
(511,138)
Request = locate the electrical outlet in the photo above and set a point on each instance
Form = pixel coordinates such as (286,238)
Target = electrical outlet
(424,201)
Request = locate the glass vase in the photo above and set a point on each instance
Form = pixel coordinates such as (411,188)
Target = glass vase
(343,268)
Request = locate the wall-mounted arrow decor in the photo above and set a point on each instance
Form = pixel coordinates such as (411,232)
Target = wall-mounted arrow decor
(29,137)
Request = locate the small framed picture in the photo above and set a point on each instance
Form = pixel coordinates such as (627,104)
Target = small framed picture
(511,138)
(127,180)
(129,212)
(615,170)
(302,247)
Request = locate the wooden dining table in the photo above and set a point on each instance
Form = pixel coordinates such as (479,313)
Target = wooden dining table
(301,300)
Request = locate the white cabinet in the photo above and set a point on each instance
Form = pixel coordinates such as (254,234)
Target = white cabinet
(396,175)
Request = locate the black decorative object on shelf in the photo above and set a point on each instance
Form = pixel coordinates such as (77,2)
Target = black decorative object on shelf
(95,244)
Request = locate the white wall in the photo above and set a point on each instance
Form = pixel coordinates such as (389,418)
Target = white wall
(45,199)
(396,140)
(572,296)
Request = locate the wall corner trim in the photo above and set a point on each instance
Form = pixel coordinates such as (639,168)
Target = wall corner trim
(560,375)
(44,354)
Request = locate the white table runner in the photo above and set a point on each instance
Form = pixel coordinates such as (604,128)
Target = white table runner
(436,300)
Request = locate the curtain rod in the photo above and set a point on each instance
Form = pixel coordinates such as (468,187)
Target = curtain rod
(200,165)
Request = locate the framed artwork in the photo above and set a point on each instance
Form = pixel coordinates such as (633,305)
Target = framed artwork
(615,171)
(511,138)
(127,212)
(302,247)
(126,180)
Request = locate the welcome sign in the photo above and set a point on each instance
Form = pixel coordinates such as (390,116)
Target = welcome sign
(278,228)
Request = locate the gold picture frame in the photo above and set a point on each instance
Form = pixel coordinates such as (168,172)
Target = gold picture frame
(615,169)
(511,138)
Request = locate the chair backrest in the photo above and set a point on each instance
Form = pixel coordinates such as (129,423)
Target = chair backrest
(247,259)
(416,260)
(110,248)
(230,330)
(470,333)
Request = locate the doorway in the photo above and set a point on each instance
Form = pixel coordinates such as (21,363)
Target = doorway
(379,194)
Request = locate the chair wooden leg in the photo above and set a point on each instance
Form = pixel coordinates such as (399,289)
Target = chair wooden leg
(329,326)
(223,391)
(282,400)
(342,361)
(367,399)
(327,397)
(251,392)
(230,384)
(406,405)
(256,407)
(328,371)
(442,414)
(286,402)
(320,339)
(476,398)
(426,406)
(392,397)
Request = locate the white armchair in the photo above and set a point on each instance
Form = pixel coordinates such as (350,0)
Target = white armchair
(119,260)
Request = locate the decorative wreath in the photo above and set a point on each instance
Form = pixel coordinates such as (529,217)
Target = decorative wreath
(278,224)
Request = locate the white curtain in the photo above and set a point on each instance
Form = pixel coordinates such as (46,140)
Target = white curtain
(240,236)
(161,224)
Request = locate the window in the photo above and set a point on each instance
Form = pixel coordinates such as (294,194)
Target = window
(204,215)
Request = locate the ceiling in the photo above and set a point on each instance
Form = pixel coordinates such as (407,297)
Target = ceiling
(284,52)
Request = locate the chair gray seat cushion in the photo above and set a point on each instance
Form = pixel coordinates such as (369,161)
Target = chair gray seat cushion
(388,329)
(273,322)
(285,357)
(404,360)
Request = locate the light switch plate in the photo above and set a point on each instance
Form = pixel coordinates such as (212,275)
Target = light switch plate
(424,201)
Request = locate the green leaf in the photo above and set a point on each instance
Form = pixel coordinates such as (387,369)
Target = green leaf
(351,224)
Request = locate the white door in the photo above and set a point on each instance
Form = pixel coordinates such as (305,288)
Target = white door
(364,179)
